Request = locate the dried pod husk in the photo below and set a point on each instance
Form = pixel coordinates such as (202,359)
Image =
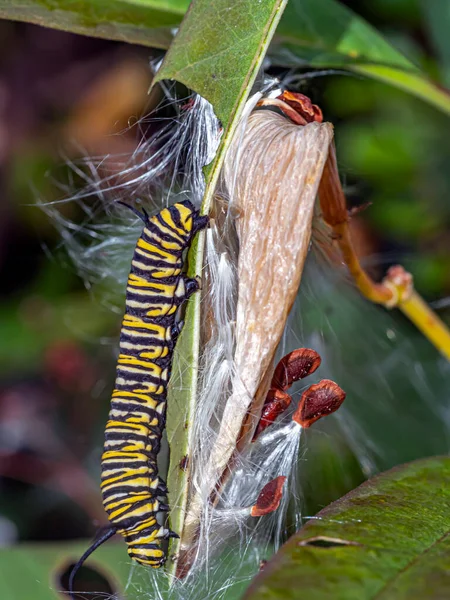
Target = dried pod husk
(270,178)
(297,107)
(302,105)
(279,172)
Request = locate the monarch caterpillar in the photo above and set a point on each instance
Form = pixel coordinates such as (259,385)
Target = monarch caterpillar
(156,287)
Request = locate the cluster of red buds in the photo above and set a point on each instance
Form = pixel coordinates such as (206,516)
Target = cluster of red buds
(317,401)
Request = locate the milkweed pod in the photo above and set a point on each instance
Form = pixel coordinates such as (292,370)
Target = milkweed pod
(272,174)
(270,177)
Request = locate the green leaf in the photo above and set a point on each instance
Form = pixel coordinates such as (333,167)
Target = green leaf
(33,570)
(217,53)
(25,340)
(316,33)
(146,22)
(413,83)
(325,33)
(388,539)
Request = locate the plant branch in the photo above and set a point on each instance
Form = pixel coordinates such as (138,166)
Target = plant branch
(396,289)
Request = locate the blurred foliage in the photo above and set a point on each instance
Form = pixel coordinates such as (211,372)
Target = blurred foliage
(22,569)
(399,148)
(57,344)
(108,571)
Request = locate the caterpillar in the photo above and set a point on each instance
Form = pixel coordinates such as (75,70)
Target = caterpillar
(156,288)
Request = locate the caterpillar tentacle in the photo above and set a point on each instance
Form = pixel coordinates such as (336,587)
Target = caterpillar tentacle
(98,542)
(142,215)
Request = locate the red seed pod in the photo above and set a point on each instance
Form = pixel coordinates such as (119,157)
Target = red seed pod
(317,401)
(276,403)
(294,366)
(302,105)
(269,497)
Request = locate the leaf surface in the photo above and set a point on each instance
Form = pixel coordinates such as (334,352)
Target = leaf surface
(315,33)
(33,570)
(327,34)
(389,539)
(146,22)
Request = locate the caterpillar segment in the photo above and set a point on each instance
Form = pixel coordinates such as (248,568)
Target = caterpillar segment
(156,288)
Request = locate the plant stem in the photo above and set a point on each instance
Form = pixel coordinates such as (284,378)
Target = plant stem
(396,289)
(426,320)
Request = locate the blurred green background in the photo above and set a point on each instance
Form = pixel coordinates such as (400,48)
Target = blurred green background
(61,93)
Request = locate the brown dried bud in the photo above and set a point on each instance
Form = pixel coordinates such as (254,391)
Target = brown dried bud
(303,106)
(317,401)
(276,403)
(294,366)
(269,498)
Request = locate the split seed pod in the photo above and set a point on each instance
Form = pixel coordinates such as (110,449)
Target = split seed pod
(271,176)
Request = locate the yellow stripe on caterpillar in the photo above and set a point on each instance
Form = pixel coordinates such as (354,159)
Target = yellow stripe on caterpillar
(119,393)
(167,218)
(170,257)
(124,359)
(131,485)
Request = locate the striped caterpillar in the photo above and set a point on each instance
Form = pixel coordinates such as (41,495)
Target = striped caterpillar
(156,288)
